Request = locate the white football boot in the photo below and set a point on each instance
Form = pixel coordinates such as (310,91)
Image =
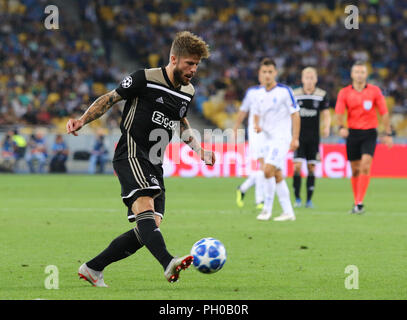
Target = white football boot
(285,217)
(95,278)
(264,215)
(175,266)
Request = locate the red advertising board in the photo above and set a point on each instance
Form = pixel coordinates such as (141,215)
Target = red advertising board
(234,161)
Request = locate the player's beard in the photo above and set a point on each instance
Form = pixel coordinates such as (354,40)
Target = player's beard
(179,78)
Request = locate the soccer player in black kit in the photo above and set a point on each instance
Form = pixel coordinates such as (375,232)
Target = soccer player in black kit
(157,102)
(313,101)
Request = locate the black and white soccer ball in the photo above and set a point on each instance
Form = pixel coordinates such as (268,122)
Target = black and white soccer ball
(209,255)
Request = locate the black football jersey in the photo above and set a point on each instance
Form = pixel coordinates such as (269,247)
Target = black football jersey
(310,107)
(151,114)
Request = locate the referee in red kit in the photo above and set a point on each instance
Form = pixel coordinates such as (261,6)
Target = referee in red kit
(361,100)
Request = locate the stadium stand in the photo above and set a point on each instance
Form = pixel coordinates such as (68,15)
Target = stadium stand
(47,75)
(314,34)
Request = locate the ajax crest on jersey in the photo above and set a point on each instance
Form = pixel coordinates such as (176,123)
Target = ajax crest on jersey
(182,111)
(209,255)
(367,105)
(154,179)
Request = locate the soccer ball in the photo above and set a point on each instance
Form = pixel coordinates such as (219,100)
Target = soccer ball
(209,255)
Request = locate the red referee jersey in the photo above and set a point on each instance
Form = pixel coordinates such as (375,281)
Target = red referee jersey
(361,106)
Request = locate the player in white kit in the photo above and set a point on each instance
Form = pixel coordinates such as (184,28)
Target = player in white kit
(276,114)
(256,177)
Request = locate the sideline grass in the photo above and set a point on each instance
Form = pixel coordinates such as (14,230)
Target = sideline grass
(66,220)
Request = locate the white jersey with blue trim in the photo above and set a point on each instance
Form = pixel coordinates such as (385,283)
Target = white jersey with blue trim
(248,103)
(274,107)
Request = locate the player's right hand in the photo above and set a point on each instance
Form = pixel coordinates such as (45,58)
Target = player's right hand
(388,141)
(295,143)
(325,132)
(343,132)
(257,128)
(208,157)
(74,125)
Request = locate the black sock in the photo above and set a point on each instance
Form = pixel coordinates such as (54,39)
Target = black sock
(297,185)
(120,248)
(310,186)
(151,236)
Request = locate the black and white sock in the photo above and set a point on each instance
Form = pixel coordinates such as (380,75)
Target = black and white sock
(152,238)
(310,186)
(297,185)
(120,248)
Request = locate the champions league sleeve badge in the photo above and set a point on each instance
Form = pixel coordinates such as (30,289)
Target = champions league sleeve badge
(127,82)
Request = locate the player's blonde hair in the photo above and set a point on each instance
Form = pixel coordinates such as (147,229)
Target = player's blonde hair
(188,44)
(309,69)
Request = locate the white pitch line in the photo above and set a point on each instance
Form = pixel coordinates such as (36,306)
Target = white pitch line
(64,209)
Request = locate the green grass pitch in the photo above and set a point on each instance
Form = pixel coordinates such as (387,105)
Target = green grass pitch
(66,220)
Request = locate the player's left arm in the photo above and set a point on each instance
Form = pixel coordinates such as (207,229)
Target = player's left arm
(294,110)
(384,113)
(326,122)
(243,112)
(239,120)
(388,137)
(296,126)
(188,137)
(326,117)
(340,108)
(256,119)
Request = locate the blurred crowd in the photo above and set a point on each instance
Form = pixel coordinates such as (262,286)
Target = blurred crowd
(295,33)
(47,74)
(41,158)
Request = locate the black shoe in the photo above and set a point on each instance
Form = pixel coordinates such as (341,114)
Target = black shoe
(358,209)
(361,208)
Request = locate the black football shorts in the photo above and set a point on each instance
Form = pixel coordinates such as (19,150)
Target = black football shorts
(139,177)
(307,150)
(360,142)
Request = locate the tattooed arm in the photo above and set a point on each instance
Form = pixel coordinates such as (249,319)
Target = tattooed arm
(96,110)
(188,137)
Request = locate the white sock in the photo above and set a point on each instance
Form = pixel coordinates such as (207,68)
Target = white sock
(269,192)
(259,189)
(283,194)
(248,183)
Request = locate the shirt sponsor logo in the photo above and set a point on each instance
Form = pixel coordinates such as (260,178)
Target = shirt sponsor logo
(308,112)
(162,120)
